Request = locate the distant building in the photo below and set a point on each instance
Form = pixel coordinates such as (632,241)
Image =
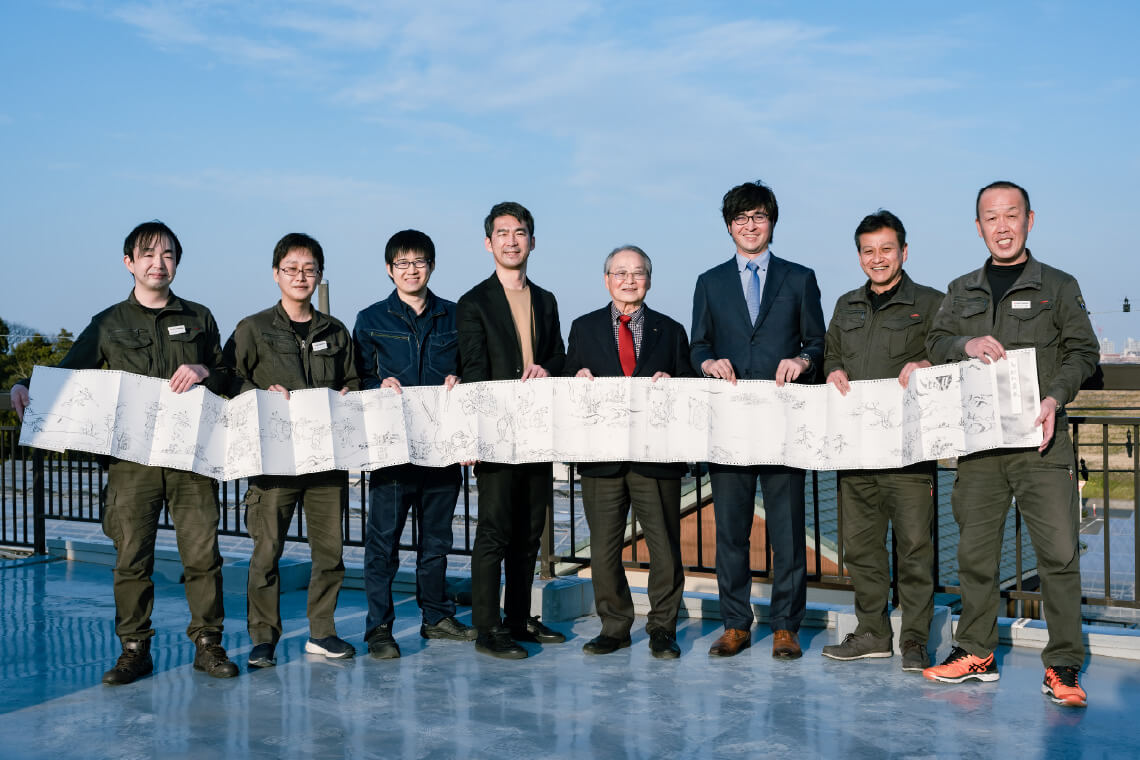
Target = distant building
(1107,346)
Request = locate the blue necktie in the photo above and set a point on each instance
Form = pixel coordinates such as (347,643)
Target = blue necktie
(752,292)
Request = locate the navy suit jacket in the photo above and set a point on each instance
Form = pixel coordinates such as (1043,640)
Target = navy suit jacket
(664,348)
(790,321)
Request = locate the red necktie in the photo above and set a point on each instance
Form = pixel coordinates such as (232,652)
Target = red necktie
(625,346)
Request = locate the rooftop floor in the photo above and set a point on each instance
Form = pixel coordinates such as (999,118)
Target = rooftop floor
(443,700)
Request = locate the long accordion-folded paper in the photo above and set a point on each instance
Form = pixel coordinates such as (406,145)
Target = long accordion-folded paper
(946,411)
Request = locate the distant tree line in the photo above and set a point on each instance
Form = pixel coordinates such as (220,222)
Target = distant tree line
(18,355)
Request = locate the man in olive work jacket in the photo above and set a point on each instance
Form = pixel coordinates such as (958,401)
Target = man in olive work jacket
(508,330)
(1015,301)
(157,334)
(879,331)
(287,347)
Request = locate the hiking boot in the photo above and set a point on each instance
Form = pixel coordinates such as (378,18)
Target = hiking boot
(915,658)
(962,666)
(133,663)
(535,632)
(497,642)
(330,646)
(261,656)
(1062,686)
(381,644)
(858,646)
(211,657)
(448,628)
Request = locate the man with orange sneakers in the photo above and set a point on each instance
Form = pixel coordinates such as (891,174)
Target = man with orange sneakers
(1015,301)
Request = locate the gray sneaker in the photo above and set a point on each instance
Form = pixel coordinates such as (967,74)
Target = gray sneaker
(857,647)
(915,658)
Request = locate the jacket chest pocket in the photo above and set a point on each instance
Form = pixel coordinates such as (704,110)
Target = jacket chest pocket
(1033,321)
(186,346)
(284,355)
(905,336)
(130,350)
(852,342)
(393,353)
(971,309)
(327,356)
(442,356)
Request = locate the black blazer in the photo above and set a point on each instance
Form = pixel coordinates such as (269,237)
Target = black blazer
(790,320)
(489,346)
(664,348)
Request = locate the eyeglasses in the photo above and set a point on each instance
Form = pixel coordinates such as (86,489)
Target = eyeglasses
(742,219)
(417,263)
(292,272)
(621,276)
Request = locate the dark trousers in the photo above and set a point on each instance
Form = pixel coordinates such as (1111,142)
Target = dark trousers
(1046,494)
(513,502)
(734,505)
(871,500)
(657,508)
(392,492)
(133,503)
(270,503)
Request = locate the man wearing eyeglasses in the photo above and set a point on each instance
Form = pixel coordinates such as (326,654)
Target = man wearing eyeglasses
(757,317)
(508,330)
(289,347)
(409,339)
(626,337)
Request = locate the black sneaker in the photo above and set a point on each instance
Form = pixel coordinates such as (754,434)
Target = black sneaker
(663,645)
(535,632)
(211,657)
(133,663)
(448,628)
(497,642)
(858,647)
(333,647)
(381,644)
(915,658)
(261,656)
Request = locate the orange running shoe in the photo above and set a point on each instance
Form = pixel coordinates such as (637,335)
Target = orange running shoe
(962,666)
(1062,686)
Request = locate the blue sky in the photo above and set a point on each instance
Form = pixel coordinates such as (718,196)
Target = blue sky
(236,122)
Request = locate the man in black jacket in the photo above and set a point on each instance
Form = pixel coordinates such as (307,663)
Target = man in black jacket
(626,337)
(508,330)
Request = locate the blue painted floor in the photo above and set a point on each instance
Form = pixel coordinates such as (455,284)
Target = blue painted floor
(442,700)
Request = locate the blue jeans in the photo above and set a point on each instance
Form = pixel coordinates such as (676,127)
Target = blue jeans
(392,492)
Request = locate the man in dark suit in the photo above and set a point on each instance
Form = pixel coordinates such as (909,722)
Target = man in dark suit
(757,317)
(626,337)
(508,330)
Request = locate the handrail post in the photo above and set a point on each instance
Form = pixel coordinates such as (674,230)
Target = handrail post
(39,523)
(546,546)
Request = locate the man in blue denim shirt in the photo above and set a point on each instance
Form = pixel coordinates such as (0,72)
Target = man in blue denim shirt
(409,339)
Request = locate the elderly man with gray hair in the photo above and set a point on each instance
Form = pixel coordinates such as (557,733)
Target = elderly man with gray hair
(626,337)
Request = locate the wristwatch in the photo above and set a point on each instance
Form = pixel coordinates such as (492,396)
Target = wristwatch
(806,357)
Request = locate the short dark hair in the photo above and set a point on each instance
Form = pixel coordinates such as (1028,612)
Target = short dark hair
(881,219)
(409,241)
(508,208)
(145,234)
(1004,185)
(298,240)
(746,197)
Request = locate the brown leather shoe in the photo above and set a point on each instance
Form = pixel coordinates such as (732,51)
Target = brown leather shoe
(786,645)
(730,643)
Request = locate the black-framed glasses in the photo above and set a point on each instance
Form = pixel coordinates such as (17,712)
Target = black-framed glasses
(742,219)
(417,263)
(292,272)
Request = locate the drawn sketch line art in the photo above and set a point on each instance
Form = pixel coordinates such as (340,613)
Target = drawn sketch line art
(947,410)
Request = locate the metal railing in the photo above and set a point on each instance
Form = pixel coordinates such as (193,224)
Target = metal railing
(39,486)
